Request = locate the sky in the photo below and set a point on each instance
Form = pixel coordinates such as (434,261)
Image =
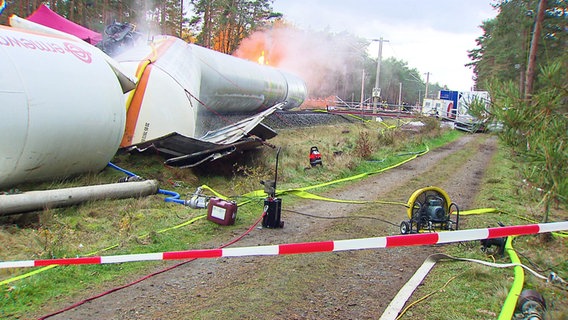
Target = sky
(432,36)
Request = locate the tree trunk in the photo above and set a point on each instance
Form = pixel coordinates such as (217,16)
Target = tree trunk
(207,26)
(534,46)
(181,19)
(162,23)
(71,10)
(80,13)
(105,10)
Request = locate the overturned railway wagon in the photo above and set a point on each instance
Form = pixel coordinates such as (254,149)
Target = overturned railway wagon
(68,107)
(62,107)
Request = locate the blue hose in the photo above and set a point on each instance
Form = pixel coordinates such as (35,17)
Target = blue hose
(128,173)
(173,196)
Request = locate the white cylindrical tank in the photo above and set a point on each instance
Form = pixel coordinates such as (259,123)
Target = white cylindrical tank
(180,84)
(297,91)
(165,98)
(230,84)
(61,106)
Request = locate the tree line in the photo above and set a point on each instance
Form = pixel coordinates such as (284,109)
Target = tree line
(164,16)
(522,60)
(222,25)
(503,49)
(218,24)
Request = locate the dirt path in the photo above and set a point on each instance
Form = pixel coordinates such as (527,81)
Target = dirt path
(342,285)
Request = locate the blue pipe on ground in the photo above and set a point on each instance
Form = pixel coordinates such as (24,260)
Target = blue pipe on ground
(173,196)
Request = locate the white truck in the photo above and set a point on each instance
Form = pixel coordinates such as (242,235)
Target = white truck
(455,106)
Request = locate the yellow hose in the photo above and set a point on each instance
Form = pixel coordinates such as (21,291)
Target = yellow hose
(510,304)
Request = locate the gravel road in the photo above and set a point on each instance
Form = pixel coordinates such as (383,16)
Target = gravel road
(342,285)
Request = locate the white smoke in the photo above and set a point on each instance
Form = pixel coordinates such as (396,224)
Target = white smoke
(320,58)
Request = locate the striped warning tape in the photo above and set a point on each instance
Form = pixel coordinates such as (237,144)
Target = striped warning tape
(306,247)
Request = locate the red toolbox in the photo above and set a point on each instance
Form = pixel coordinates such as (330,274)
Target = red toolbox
(221,211)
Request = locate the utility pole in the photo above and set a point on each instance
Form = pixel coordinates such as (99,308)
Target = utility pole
(362,88)
(427,83)
(377,88)
(399,104)
(425,93)
(400,93)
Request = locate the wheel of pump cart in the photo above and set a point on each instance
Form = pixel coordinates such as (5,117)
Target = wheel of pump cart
(453,224)
(531,300)
(405,227)
(418,202)
(417,217)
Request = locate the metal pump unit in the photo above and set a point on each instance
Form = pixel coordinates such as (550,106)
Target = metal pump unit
(198,200)
(430,209)
(272,205)
(494,246)
(434,209)
(220,211)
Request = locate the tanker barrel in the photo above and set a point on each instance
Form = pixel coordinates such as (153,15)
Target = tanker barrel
(62,107)
(230,84)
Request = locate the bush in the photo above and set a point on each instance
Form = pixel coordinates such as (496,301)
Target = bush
(364,148)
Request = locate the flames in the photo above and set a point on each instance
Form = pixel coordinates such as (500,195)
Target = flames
(262,59)
(260,48)
(315,57)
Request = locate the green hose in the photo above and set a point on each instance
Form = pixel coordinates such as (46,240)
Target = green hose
(510,304)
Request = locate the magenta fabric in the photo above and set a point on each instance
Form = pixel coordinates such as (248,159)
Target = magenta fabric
(44,16)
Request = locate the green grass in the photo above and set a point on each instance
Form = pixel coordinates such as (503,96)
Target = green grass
(136,225)
(478,292)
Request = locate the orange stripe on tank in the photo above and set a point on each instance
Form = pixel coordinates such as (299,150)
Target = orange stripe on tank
(162,47)
(134,108)
(134,102)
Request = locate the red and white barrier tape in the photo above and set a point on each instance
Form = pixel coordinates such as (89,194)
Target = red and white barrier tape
(307,247)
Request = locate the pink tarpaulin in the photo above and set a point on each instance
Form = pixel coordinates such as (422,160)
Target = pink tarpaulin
(44,16)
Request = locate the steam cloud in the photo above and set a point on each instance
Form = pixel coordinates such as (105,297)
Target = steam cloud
(321,59)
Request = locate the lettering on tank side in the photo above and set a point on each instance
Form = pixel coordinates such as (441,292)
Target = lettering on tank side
(52,47)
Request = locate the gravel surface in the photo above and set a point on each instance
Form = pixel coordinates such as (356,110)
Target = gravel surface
(342,285)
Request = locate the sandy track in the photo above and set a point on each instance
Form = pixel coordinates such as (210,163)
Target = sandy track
(343,285)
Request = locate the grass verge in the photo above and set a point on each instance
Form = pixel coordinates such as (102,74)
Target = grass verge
(478,292)
(142,225)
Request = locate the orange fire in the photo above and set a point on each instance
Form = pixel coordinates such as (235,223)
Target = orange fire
(261,47)
(261,59)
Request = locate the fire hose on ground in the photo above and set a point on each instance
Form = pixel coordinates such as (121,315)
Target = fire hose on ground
(508,307)
(395,309)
